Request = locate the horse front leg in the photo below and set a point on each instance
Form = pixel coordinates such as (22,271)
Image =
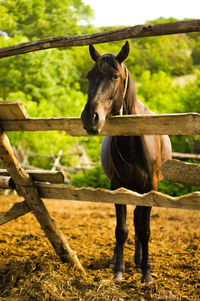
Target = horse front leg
(121,234)
(142,232)
(138,254)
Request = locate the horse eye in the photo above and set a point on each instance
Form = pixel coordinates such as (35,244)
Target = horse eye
(116,76)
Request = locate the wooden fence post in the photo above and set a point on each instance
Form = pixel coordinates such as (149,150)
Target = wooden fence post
(27,188)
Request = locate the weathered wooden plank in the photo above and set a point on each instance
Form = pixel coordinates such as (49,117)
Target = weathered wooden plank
(41,175)
(163,124)
(12,110)
(185,155)
(46,176)
(181,172)
(119,196)
(37,124)
(4,182)
(16,211)
(137,31)
(27,188)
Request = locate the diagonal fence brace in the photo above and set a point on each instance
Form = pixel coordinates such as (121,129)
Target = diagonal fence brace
(26,187)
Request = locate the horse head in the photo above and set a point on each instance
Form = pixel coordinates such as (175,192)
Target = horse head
(107,88)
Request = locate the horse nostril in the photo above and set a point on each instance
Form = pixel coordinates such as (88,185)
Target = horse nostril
(95,118)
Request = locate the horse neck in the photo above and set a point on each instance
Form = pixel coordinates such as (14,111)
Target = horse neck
(132,105)
(130,99)
(129,107)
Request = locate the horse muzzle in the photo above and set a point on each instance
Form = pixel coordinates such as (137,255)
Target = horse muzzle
(92,122)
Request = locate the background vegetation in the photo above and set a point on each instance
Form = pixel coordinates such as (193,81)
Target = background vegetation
(53,82)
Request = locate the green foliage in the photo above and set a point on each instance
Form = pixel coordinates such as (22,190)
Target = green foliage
(47,82)
(43,18)
(196,54)
(93,146)
(91,177)
(176,189)
(170,54)
(190,96)
(163,20)
(158,92)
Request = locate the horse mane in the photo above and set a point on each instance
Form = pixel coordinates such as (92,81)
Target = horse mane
(130,99)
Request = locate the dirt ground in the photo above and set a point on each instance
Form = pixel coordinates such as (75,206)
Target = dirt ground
(30,269)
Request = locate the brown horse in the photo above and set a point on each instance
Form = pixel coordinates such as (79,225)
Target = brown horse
(132,162)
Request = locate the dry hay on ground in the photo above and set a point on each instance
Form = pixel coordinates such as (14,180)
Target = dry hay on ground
(30,270)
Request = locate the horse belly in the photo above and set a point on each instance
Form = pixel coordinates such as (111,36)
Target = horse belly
(106,155)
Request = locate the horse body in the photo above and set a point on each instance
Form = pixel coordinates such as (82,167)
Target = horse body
(131,162)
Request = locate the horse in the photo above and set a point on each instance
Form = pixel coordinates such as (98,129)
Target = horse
(131,162)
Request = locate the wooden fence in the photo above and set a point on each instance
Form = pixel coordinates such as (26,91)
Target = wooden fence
(137,125)
(34,186)
(24,155)
(77,152)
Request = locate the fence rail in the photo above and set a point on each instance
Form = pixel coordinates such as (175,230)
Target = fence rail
(163,124)
(185,156)
(119,196)
(137,31)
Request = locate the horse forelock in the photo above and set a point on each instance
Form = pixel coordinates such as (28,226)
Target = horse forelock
(107,62)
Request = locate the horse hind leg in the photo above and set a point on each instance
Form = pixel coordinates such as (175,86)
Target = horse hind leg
(121,234)
(142,231)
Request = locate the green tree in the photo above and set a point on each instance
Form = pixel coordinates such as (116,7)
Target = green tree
(48,82)
(94,178)
(158,92)
(196,54)
(190,95)
(43,18)
(171,54)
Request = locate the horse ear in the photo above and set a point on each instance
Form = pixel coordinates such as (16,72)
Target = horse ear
(123,54)
(94,53)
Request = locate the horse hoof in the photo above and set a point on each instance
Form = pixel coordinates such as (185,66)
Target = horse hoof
(147,279)
(118,277)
